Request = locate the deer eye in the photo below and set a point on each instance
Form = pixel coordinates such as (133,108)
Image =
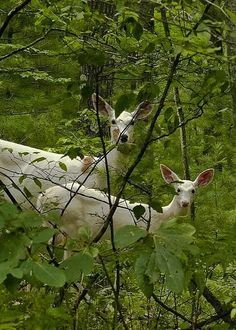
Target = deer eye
(113,121)
(178,190)
(193,191)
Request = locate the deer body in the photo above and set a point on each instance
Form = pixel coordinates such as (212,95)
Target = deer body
(89,207)
(28,171)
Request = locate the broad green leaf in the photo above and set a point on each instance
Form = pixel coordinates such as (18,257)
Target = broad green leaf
(13,247)
(5,268)
(17,272)
(63,166)
(139,210)
(152,270)
(49,274)
(28,219)
(137,30)
(44,235)
(124,102)
(128,235)
(156,205)
(75,266)
(140,272)
(148,92)
(74,152)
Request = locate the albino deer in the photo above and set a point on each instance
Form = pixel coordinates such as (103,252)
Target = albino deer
(28,171)
(89,207)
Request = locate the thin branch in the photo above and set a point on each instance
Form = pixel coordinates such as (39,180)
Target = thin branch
(11,14)
(16,51)
(169,309)
(9,194)
(222,312)
(206,10)
(119,307)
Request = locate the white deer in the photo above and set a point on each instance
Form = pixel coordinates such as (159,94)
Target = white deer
(89,207)
(27,171)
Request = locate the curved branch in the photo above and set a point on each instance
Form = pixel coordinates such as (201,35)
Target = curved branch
(11,14)
(16,51)
(169,309)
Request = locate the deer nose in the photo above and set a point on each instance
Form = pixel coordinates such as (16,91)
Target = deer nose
(124,138)
(185,204)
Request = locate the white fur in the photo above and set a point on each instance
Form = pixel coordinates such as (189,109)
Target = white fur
(19,165)
(90,207)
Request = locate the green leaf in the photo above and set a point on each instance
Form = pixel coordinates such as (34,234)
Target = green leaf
(17,272)
(156,205)
(139,210)
(137,30)
(233,314)
(44,235)
(150,47)
(22,178)
(37,160)
(28,219)
(75,266)
(5,268)
(63,166)
(148,92)
(124,102)
(140,272)
(27,192)
(49,274)
(128,235)
(168,113)
(74,152)
(38,182)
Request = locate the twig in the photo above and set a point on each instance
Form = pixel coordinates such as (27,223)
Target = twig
(169,309)
(9,194)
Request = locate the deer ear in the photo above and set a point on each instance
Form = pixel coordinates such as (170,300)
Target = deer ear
(204,178)
(143,110)
(103,107)
(168,175)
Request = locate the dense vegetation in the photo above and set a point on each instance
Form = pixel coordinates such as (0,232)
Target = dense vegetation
(179,55)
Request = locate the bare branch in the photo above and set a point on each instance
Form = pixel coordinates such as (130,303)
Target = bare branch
(11,14)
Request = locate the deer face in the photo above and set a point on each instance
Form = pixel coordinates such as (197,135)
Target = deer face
(121,127)
(185,189)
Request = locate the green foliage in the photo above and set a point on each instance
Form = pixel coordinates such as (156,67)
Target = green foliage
(169,256)
(53,55)
(128,235)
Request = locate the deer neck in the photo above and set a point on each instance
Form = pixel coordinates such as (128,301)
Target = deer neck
(174,209)
(114,159)
(170,211)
